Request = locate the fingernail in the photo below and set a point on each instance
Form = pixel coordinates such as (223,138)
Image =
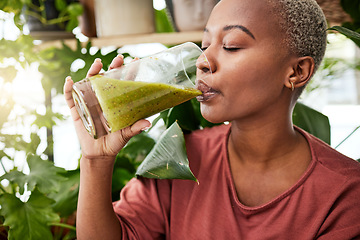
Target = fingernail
(98,60)
(146,128)
(68,78)
(120,56)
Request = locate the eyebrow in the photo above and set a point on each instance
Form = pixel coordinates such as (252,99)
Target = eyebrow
(241,27)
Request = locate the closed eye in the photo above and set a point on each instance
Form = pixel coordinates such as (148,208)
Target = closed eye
(231,49)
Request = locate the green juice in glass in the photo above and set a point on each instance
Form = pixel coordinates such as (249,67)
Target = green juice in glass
(125,102)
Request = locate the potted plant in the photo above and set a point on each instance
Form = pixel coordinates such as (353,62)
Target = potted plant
(189,15)
(45,19)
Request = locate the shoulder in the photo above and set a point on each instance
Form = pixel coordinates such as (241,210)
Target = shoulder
(333,188)
(330,159)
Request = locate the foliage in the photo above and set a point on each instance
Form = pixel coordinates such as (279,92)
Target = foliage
(162,24)
(53,191)
(312,121)
(354,36)
(67,12)
(53,188)
(352,7)
(31,218)
(128,160)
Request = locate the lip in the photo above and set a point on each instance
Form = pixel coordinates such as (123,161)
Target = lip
(207,91)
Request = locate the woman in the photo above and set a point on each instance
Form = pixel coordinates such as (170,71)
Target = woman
(260,177)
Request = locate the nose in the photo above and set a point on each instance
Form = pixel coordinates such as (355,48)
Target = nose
(205,64)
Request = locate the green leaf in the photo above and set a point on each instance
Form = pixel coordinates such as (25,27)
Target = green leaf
(168,159)
(121,176)
(162,22)
(14,141)
(185,115)
(163,115)
(48,120)
(138,147)
(71,24)
(3,154)
(67,196)
(75,9)
(354,36)
(34,143)
(128,160)
(8,73)
(352,7)
(43,175)
(60,5)
(28,220)
(312,121)
(17,178)
(124,170)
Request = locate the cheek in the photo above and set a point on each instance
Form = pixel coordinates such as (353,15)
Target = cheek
(251,88)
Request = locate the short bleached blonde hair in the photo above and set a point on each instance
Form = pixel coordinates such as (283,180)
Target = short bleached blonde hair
(304,25)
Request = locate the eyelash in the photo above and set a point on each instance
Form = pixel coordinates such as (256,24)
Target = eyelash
(232,49)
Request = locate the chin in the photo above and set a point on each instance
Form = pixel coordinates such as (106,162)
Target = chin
(212,117)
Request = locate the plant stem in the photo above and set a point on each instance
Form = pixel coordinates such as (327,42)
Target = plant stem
(2,165)
(2,189)
(34,7)
(63,225)
(348,136)
(37,16)
(58,20)
(49,151)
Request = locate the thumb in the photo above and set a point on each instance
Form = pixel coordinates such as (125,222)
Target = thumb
(135,129)
(140,126)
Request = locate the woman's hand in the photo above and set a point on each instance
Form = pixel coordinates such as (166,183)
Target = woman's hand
(108,145)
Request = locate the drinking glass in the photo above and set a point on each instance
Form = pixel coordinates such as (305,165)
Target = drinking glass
(119,97)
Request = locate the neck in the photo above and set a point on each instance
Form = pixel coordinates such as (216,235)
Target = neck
(263,142)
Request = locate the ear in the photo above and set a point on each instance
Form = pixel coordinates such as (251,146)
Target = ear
(301,72)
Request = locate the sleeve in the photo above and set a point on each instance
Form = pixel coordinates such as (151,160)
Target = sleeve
(143,208)
(343,221)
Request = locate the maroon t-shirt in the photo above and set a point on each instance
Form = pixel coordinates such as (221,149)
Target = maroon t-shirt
(323,204)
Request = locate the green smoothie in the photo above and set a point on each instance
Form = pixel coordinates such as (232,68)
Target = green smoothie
(125,102)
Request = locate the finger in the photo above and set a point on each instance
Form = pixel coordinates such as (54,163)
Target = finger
(132,69)
(68,91)
(69,99)
(118,61)
(133,130)
(95,68)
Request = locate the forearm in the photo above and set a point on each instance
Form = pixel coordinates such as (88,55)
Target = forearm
(96,218)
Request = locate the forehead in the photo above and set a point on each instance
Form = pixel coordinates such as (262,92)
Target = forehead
(256,15)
